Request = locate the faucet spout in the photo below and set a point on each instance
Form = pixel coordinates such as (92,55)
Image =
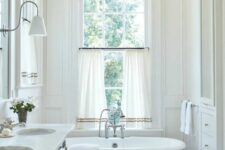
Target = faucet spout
(100,121)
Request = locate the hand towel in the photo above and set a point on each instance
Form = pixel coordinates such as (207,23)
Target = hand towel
(183,116)
(188,122)
(84,147)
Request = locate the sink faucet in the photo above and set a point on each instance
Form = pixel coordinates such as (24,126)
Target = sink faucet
(6,124)
(9,123)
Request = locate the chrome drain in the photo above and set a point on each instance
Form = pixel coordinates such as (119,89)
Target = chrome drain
(114,145)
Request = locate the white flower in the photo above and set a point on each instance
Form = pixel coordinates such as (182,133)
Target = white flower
(32,100)
(16,101)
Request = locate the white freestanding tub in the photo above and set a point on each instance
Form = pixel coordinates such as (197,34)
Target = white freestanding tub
(130,143)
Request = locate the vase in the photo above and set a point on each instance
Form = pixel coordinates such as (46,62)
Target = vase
(22,116)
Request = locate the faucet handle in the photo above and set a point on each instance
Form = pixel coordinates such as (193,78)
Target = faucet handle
(122,114)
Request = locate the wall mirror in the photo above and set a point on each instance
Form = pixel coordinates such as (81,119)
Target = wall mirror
(207,51)
(4,51)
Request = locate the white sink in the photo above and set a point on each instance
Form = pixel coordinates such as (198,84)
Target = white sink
(35,131)
(15,148)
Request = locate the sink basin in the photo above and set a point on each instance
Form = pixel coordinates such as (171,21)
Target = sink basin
(15,148)
(35,131)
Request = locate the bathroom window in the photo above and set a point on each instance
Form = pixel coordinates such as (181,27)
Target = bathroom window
(113,24)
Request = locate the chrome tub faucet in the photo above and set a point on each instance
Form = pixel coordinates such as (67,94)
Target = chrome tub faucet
(112,125)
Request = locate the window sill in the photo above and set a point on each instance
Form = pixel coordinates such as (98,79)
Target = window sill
(154,132)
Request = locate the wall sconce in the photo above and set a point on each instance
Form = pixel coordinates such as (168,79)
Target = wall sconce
(37,25)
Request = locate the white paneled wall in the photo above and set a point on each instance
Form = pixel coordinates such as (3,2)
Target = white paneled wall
(181,63)
(176,61)
(59,76)
(172,64)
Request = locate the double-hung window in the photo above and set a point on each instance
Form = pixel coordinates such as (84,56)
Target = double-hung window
(113,77)
(113,24)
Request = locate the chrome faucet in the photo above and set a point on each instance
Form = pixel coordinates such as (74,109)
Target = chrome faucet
(9,123)
(113,125)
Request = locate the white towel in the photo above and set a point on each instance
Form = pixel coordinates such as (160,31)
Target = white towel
(188,122)
(183,116)
(84,147)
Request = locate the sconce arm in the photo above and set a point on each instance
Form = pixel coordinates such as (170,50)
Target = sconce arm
(18,25)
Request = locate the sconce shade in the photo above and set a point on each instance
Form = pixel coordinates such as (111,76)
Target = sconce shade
(37,27)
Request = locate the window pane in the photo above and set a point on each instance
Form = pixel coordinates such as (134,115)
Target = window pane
(114,30)
(135,5)
(114,5)
(113,69)
(93,6)
(113,97)
(134,30)
(93,33)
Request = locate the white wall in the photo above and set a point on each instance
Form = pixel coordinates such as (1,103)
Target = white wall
(181,63)
(60,61)
(176,60)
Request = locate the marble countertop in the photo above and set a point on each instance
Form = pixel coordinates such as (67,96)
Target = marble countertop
(39,142)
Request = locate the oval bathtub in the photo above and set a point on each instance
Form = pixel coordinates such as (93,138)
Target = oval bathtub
(130,143)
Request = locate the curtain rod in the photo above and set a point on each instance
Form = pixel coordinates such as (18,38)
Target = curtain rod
(106,48)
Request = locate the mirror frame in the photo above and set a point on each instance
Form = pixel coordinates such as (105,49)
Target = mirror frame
(204,99)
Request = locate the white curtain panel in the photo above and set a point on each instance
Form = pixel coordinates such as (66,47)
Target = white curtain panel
(29,71)
(91,88)
(136,102)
